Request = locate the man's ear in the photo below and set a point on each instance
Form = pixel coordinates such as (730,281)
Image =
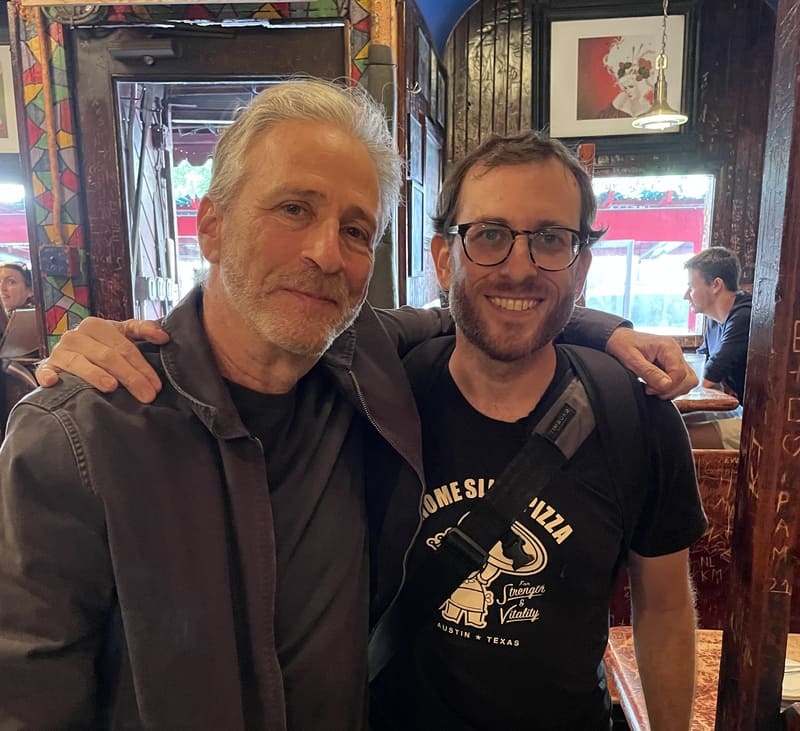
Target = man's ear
(441,260)
(209,229)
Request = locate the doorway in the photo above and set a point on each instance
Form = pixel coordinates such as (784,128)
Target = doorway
(167,135)
(151,102)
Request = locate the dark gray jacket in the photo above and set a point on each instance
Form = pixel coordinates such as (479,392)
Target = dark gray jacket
(85,519)
(89,537)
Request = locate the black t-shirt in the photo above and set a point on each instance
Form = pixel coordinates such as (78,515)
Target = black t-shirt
(312,445)
(520,644)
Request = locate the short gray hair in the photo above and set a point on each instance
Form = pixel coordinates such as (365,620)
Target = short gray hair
(313,100)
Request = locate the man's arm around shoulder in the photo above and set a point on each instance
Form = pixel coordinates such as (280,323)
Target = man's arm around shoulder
(55,578)
(407,327)
(410,326)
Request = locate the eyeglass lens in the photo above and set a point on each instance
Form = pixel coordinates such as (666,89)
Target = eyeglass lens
(552,248)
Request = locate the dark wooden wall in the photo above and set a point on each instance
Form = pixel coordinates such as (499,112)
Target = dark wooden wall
(494,56)
(492,50)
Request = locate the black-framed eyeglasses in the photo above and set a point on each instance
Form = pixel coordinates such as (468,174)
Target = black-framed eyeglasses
(488,244)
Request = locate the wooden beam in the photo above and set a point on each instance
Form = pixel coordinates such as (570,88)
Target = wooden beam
(384,22)
(768,500)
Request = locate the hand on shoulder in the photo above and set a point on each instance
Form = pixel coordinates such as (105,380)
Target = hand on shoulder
(657,359)
(102,353)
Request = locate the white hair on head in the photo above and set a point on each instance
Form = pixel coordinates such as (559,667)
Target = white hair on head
(312,100)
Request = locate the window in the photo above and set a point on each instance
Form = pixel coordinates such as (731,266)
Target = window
(189,184)
(655,223)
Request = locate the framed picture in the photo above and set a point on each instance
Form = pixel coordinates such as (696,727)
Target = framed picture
(423,64)
(433,174)
(414,132)
(9,142)
(602,73)
(433,87)
(416,204)
(441,98)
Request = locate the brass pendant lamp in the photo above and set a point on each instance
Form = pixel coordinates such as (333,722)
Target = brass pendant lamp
(661,115)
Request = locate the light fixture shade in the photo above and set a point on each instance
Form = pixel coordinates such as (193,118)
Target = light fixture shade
(661,115)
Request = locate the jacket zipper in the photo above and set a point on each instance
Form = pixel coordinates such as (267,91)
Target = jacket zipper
(421,478)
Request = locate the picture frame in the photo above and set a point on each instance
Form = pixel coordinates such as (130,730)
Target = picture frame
(605,69)
(415,142)
(441,98)
(416,251)
(432,86)
(433,175)
(423,64)
(9,137)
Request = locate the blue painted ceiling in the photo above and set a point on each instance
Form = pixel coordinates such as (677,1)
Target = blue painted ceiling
(442,16)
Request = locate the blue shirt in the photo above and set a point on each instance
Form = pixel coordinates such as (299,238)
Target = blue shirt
(725,344)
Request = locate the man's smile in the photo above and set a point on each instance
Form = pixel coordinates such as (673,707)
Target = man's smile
(514,303)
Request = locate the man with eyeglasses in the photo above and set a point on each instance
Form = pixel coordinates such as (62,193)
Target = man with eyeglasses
(519,643)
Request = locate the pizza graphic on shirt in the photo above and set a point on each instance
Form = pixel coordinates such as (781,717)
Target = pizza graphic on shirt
(519,553)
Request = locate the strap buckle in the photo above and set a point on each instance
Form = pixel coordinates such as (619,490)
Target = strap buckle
(463,544)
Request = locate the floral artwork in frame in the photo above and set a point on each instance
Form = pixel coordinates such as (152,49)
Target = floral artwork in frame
(602,73)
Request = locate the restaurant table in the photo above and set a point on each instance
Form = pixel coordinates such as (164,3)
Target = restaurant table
(705,399)
(622,670)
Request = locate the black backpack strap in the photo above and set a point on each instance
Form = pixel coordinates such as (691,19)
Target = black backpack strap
(465,548)
(618,406)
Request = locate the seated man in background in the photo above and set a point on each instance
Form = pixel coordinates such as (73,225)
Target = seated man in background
(203,562)
(714,292)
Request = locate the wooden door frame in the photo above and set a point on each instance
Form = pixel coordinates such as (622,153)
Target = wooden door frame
(236,54)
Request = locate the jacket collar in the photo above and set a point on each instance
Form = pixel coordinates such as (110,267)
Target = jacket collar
(365,362)
(190,367)
(362,360)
